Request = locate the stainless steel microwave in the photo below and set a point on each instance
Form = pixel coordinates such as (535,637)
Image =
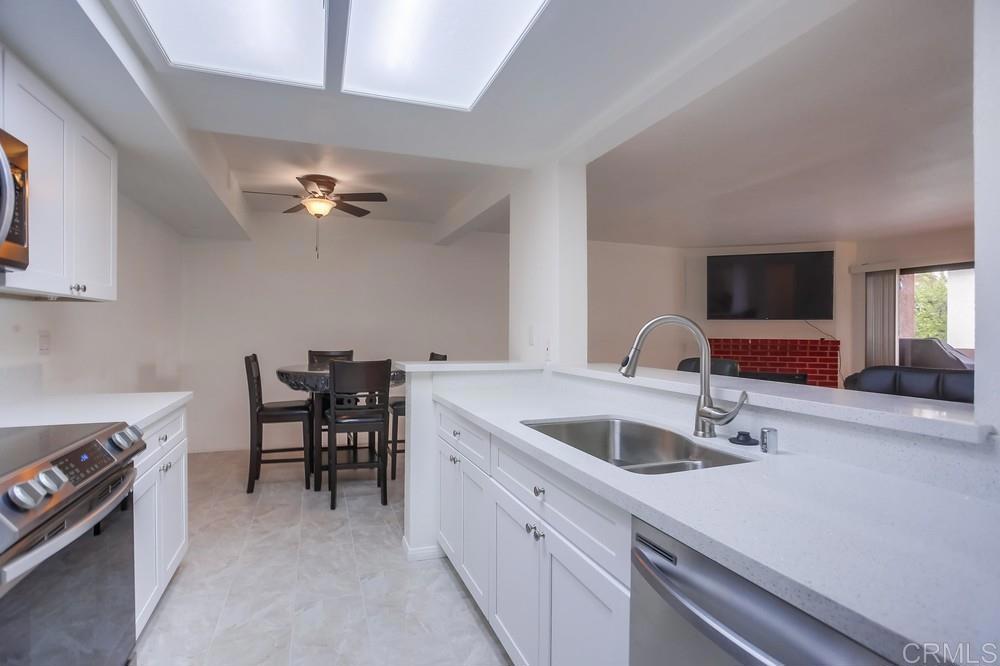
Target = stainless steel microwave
(13,203)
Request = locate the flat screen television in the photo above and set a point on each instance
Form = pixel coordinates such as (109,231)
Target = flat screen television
(789,285)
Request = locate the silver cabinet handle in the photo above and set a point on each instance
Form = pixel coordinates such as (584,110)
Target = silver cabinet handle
(528,527)
(456,433)
(538,491)
(163,438)
(537,534)
(454,460)
(84,288)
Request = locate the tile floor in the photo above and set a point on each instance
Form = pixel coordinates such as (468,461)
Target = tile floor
(277,578)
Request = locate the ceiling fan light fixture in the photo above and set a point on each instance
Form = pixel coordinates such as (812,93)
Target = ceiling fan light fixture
(318,206)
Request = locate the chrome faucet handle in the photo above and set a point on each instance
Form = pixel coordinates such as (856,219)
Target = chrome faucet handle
(721,416)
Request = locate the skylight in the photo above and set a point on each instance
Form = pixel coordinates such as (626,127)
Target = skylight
(282,41)
(437,52)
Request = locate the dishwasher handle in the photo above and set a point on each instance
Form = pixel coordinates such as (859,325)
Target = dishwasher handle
(653,566)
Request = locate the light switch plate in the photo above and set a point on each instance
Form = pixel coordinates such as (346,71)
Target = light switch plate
(44,342)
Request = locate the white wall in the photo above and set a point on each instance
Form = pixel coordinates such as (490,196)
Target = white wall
(631,284)
(986,135)
(132,344)
(910,251)
(381,288)
(548,265)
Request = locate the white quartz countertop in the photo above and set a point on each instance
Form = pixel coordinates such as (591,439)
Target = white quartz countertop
(883,559)
(466,366)
(936,418)
(140,409)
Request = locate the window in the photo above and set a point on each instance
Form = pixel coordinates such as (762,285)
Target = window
(937,314)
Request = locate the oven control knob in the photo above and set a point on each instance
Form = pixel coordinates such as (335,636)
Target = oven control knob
(51,480)
(135,431)
(120,440)
(26,495)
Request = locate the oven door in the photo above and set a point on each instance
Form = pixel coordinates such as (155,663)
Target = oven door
(68,589)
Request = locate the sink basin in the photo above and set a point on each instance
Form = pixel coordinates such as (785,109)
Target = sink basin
(633,446)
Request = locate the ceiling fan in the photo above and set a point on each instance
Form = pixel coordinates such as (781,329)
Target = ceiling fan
(319,198)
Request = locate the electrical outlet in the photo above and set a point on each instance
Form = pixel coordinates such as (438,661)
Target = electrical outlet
(44,342)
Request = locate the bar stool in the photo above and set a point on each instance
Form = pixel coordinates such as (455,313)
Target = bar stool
(398,408)
(289,411)
(359,402)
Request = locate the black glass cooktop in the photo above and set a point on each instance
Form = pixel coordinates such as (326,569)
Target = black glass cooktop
(20,447)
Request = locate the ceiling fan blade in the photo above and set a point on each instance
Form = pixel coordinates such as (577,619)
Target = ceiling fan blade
(348,208)
(294,209)
(273,194)
(362,196)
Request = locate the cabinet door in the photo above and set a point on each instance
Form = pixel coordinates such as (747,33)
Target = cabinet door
(147,580)
(476,531)
(515,602)
(172,490)
(578,596)
(95,214)
(38,117)
(449,501)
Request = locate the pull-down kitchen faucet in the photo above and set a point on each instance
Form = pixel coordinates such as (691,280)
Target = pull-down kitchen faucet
(707,414)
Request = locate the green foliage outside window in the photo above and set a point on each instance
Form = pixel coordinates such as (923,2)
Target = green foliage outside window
(931,305)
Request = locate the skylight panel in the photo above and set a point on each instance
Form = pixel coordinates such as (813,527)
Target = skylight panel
(436,52)
(273,40)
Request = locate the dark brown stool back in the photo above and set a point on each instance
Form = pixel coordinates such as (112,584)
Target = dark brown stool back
(359,392)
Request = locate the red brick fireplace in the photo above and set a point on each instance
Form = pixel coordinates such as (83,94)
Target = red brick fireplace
(819,359)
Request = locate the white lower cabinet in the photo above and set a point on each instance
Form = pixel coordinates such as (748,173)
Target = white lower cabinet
(549,595)
(172,519)
(516,604)
(161,536)
(477,532)
(448,502)
(465,519)
(584,610)
(147,544)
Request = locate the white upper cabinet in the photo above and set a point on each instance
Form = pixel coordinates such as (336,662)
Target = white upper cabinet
(95,191)
(72,193)
(38,117)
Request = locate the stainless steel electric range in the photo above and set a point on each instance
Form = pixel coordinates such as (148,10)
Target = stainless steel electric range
(67,584)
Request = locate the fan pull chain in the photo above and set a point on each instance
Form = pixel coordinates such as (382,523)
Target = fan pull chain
(317,239)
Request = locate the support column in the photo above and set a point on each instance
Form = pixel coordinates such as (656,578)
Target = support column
(986,137)
(548,265)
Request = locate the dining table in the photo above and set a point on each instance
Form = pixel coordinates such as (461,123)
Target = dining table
(315,380)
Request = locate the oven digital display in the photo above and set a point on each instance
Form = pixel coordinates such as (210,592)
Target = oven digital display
(84,462)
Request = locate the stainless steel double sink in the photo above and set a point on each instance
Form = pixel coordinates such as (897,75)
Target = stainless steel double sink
(633,446)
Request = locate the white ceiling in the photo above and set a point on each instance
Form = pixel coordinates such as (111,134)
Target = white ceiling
(576,60)
(861,128)
(420,189)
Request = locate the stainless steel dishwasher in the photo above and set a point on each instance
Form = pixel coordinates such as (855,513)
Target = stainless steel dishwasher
(688,609)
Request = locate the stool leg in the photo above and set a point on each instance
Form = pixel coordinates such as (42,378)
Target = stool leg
(332,467)
(307,447)
(395,442)
(253,473)
(382,446)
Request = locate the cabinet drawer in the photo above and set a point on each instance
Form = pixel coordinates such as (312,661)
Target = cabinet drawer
(471,441)
(165,432)
(596,527)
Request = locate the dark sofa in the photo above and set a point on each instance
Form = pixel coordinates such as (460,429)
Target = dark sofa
(951,385)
